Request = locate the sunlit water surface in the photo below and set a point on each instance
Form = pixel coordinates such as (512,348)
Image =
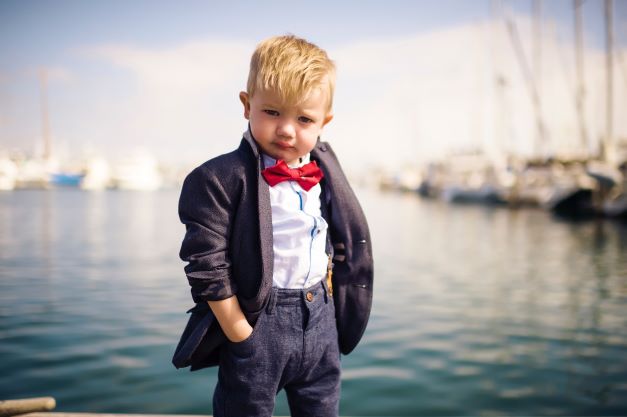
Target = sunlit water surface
(477,311)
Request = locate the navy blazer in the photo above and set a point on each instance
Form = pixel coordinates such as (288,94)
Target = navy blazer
(225,207)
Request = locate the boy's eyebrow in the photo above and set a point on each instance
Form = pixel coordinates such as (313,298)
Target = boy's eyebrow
(308,111)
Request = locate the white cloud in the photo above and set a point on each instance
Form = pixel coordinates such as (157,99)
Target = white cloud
(414,98)
(58,74)
(400,100)
(188,67)
(184,101)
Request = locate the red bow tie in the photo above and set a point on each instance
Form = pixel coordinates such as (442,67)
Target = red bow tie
(306,176)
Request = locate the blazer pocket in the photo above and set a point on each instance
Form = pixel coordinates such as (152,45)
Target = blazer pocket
(245,348)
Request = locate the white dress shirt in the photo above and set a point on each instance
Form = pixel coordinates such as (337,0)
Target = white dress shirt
(299,233)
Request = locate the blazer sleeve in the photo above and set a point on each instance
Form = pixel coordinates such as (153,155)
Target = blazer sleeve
(206,210)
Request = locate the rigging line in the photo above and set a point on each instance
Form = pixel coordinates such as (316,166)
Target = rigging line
(568,79)
(621,61)
(527,74)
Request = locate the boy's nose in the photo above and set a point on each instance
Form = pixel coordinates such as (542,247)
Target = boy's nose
(285,129)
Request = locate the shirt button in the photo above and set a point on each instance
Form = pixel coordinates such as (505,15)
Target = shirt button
(309,296)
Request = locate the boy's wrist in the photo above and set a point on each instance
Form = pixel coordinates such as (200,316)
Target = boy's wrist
(231,318)
(240,331)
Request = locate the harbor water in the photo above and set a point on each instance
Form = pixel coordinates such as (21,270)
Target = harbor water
(477,310)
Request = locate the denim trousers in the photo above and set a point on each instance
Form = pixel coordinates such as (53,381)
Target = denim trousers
(294,347)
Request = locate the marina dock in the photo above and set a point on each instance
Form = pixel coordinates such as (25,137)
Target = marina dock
(43,406)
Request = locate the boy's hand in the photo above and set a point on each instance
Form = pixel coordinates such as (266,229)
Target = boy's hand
(231,319)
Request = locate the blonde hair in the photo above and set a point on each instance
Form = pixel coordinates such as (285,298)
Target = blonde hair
(292,67)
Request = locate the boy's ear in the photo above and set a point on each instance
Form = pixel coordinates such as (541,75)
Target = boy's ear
(327,119)
(243,97)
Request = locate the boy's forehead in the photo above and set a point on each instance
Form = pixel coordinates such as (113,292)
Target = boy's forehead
(307,100)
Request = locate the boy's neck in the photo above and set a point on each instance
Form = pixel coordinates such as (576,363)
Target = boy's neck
(269,161)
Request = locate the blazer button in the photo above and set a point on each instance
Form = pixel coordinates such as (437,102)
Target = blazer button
(309,296)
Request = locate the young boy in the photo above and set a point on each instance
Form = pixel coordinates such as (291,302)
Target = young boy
(263,225)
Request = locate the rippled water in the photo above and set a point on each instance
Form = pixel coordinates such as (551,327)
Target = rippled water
(477,311)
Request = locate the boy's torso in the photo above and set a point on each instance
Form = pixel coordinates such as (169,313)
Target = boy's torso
(299,233)
(236,177)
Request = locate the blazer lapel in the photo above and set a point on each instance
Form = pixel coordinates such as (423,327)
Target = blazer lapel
(265,225)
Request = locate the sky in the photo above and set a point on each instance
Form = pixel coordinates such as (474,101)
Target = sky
(415,78)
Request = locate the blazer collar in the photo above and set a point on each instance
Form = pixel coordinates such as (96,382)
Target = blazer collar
(248,136)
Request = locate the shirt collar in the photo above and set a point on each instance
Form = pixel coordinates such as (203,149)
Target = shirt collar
(269,161)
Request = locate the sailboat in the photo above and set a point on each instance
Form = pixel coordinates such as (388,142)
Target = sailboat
(8,174)
(138,172)
(601,191)
(610,198)
(97,175)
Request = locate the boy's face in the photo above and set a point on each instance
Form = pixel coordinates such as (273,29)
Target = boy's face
(284,131)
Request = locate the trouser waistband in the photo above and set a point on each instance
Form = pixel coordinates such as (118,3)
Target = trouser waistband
(317,293)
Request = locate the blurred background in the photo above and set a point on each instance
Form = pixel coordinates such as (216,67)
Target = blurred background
(486,140)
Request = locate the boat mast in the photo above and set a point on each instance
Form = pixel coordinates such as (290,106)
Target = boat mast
(45,124)
(537,61)
(531,84)
(580,89)
(501,133)
(608,143)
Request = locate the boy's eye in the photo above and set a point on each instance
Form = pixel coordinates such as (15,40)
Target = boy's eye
(271,112)
(304,119)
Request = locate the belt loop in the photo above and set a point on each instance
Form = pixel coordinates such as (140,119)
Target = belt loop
(271,301)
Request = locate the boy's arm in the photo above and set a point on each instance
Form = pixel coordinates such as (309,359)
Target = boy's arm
(231,319)
(206,210)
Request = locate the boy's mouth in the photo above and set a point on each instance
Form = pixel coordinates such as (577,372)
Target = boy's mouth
(283,145)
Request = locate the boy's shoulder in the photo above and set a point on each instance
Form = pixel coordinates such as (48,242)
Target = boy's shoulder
(323,152)
(223,166)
